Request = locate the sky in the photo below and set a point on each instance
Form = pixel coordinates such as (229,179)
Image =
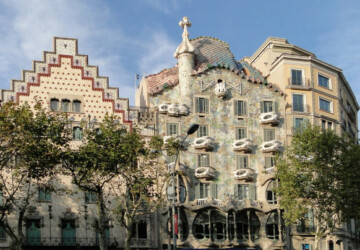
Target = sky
(131,37)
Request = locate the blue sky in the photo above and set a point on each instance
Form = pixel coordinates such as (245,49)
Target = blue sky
(140,36)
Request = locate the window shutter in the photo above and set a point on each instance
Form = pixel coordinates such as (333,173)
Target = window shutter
(262,107)
(236,111)
(236,191)
(213,190)
(206,101)
(197,104)
(168,129)
(252,191)
(244,108)
(47,195)
(197,191)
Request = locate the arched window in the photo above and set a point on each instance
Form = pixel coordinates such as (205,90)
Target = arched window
(331,245)
(76,106)
(242,225)
(201,226)
(77,133)
(65,105)
(218,226)
(272,226)
(254,226)
(54,104)
(270,194)
(183,225)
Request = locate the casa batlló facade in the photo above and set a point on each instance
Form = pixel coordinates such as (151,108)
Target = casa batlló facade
(224,174)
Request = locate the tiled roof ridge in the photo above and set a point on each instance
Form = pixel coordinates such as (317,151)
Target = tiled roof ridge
(162,71)
(210,37)
(252,66)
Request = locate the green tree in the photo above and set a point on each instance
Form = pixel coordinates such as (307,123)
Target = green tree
(30,149)
(142,187)
(108,153)
(320,171)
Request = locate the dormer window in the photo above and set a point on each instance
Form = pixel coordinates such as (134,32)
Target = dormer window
(76,107)
(65,105)
(54,104)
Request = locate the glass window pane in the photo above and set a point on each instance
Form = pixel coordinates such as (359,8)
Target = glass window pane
(241,161)
(240,133)
(65,105)
(54,104)
(298,103)
(296,77)
(202,131)
(77,106)
(323,81)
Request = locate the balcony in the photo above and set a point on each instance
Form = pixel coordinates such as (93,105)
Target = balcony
(303,108)
(273,146)
(271,118)
(184,109)
(163,107)
(173,109)
(245,174)
(220,90)
(204,142)
(66,241)
(243,145)
(299,83)
(205,172)
(351,113)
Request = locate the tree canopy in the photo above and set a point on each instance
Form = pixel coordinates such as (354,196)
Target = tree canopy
(320,171)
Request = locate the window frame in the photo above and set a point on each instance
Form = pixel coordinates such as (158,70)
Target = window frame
(205,105)
(73,103)
(237,134)
(266,108)
(44,195)
(302,79)
(200,163)
(68,103)
(329,85)
(243,108)
(242,161)
(57,105)
(266,130)
(82,135)
(331,110)
(199,132)
(90,197)
(303,105)
(168,128)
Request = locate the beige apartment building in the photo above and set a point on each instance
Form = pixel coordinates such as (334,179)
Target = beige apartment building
(315,90)
(247,111)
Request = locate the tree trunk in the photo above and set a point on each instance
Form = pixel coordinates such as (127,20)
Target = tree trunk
(317,238)
(102,221)
(129,228)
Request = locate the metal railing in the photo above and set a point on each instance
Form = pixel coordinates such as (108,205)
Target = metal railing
(66,241)
(300,107)
(299,82)
(351,113)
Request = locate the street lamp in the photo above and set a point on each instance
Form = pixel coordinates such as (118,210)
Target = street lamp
(192,129)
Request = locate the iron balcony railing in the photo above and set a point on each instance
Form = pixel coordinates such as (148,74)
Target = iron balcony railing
(300,107)
(351,113)
(299,82)
(66,241)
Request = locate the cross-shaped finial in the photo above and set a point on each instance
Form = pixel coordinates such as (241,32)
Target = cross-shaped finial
(185,46)
(185,22)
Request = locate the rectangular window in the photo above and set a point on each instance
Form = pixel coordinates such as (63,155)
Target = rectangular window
(172,129)
(240,133)
(269,162)
(298,103)
(298,122)
(242,161)
(296,77)
(203,160)
(240,108)
(204,190)
(325,105)
(203,131)
(54,104)
(267,106)
(90,197)
(44,195)
(269,134)
(76,106)
(65,105)
(245,191)
(324,81)
(202,105)
(2,233)
(306,247)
